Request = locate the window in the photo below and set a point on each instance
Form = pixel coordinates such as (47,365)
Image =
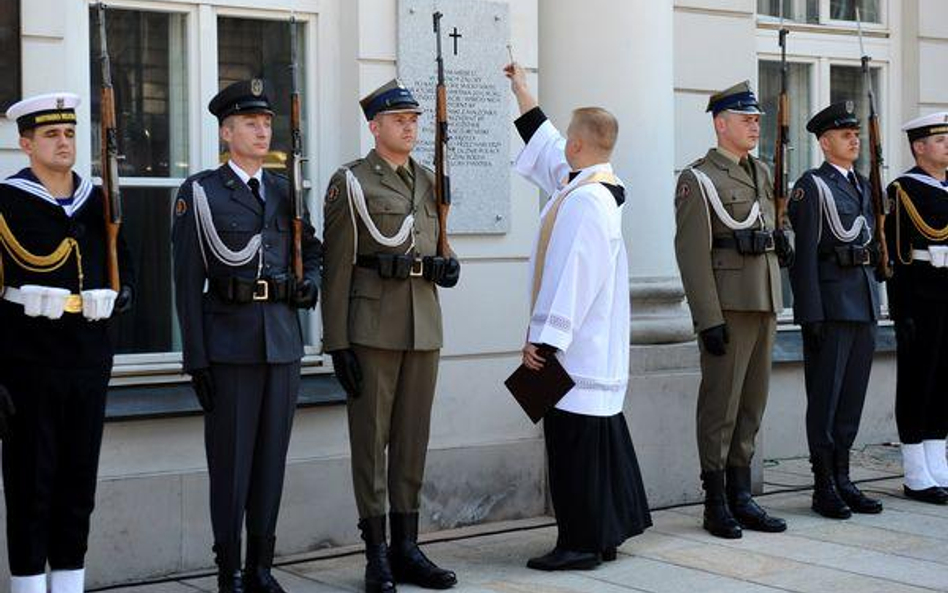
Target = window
(9,53)
(822,11)
(798,89)
(848,83)
(821,71)
(255,48)
(845,10)
(804,11)
(149,78)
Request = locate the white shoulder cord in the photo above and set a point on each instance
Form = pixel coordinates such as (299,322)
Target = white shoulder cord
(357,204)
(711,195)
(205,228)
(830,212)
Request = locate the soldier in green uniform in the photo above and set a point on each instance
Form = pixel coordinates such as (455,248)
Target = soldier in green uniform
(725,245)
(382,327)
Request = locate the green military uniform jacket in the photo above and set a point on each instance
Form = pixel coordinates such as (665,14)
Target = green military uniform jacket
(717,280)
(359,307)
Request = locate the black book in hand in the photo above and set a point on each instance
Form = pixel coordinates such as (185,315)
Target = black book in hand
(538,391)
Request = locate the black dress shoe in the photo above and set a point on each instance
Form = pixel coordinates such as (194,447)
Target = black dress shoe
(378,573)
(560,559)
(828,503)
(857,501)
(849,492)
(409,564)
(609,554)
(746,511)
(718,520)
(257,575)
(933,495)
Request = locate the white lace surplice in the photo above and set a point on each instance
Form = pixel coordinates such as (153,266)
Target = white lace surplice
(582,307)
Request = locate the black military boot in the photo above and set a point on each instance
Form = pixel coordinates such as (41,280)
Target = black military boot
(409,564)
(851,495)
(826,498)
(378,573)
(227,557)
(747,512)
(257,577)
(718,519)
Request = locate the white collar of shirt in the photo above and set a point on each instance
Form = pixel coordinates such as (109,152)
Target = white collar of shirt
(245,177)
(845,172)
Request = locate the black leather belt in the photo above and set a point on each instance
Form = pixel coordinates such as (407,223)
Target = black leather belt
(746,242)
(850,256)
(392,265)
(237,290)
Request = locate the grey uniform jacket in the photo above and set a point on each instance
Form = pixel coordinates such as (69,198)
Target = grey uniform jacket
(214,331)
(822,289)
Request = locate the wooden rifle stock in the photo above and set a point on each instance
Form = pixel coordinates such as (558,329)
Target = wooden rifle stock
(880,202)
(112,204)
(442,177)
(295,167)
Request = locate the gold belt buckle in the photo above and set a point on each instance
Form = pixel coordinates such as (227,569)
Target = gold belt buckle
(73,304)
(417,268)
(261,291)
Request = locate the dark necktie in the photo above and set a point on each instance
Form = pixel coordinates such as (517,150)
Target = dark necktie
(407,177)
(855,183)
(254,184)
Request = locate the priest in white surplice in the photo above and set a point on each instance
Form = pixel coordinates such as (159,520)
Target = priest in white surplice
(580,314)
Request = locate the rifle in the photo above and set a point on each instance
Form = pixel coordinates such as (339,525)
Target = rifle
(442,177)
(782,153)
(295,166)
(880,202)
(112,206)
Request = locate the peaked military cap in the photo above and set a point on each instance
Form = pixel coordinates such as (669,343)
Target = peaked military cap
(738,99)
(44,110)
(927,125)
(391,97)
(242,97)
(837,116)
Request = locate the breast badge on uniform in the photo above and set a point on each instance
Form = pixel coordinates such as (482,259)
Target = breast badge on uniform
(180,207)
(797,194)
(683,190)
(331,194)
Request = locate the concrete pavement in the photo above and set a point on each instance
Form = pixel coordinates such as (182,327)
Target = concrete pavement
(902,550)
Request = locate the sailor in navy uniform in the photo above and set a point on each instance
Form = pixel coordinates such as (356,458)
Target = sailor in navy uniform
(836,301)
(237,303)
(55,350)
(917,234)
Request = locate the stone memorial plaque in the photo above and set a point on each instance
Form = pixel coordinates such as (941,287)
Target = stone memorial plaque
(474,39)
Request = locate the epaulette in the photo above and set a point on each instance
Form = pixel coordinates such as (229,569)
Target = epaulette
(351,164)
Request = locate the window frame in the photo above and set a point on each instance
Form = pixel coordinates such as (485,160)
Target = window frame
(18,57)
(201,19)
(833,43)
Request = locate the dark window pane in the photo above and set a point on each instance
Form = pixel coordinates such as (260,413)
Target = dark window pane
(252,48)
(9,53)
(149,77)
(150,326)
(847,83)
(804,11)
(798,89)
(845,10)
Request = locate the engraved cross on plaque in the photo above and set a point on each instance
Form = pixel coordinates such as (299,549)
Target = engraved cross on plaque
(455,36)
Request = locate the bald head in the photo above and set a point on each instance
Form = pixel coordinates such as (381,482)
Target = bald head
(591,137)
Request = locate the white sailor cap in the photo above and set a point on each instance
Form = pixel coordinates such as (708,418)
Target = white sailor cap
(927,125)
(44,110)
